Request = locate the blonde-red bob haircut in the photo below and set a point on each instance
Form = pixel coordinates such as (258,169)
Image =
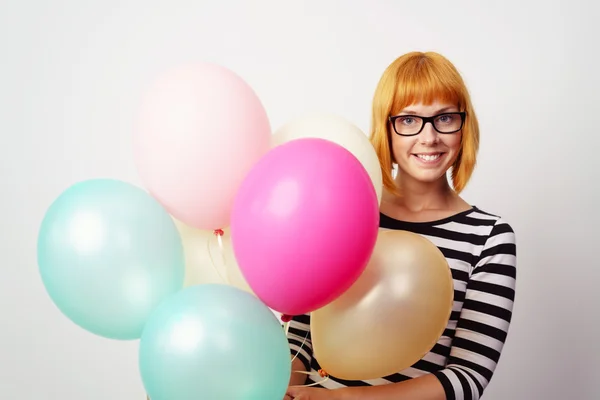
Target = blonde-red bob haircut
(419,77)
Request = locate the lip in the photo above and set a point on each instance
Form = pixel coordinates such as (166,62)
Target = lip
(428,162)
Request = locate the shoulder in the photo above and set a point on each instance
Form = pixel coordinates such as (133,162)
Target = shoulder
(500,243)
(481,223)
(497,225)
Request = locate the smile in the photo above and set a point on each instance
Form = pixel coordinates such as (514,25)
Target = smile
(429,158)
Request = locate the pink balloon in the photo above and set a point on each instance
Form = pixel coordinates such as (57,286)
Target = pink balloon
(201,129)
(304,224)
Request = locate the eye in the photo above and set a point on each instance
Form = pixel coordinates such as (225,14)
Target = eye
(407,121)
(446,119)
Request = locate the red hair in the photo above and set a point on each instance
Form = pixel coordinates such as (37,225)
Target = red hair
(423,78)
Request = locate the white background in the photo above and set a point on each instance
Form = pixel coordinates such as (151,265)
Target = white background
(71,73)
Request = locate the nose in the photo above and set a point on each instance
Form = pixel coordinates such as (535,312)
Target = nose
(428,135)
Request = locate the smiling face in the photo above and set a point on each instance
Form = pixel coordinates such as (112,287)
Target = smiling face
(424,84)
(426,156)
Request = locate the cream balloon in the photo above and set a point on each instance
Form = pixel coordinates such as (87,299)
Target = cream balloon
(338,130)
(392,316)
(207,260)
(234,274)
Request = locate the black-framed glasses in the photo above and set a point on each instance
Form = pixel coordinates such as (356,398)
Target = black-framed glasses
(411,125)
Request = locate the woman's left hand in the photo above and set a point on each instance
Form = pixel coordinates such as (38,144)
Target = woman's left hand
(309,393)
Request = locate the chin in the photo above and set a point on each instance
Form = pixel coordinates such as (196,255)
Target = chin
(426,176)
(426,172)
(427,179)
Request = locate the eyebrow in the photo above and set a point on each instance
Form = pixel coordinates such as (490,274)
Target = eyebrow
(441,110)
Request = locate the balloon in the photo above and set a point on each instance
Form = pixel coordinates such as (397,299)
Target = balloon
(214,341)
(108,253)
(304,224)
(200,130)
(207,261)
(392,316)
(232,268)
(338,130)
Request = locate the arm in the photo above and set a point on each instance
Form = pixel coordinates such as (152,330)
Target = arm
(480,334)
(427,387)
(298,379)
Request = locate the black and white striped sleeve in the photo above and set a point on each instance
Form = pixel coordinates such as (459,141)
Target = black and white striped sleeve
(485,318)
(299,339)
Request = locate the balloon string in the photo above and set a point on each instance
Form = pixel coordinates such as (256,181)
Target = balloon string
(321,373)
(219,234)
(286,327)
(302,345)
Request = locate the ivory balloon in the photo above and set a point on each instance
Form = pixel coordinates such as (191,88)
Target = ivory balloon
(392,316)
(338,130)
(208,262)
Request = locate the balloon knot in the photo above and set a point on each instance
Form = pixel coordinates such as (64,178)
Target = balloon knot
(286,318)
(323,373)
(219,232)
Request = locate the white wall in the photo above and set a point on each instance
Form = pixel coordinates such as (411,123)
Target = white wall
(71,71)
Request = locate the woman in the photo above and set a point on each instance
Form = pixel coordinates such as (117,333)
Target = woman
(423,122)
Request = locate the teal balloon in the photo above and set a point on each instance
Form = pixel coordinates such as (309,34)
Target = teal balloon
(212,342)
(108,254)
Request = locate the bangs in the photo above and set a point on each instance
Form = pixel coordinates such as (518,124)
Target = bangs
(423,81)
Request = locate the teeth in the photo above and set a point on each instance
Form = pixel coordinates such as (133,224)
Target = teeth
(428,157)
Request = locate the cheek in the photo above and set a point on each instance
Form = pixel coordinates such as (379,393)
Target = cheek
(453,142)
(401,146)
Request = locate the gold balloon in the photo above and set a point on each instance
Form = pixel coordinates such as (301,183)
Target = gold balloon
(208,259)
(392,315)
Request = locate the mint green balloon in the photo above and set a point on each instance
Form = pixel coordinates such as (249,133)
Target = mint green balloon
(108,254)
(212,342)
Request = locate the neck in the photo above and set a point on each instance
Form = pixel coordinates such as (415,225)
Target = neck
(418,196)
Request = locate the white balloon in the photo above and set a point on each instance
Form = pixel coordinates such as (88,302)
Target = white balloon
(338,130)
(208,259)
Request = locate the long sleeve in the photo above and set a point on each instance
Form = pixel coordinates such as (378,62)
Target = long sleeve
(299,339)
(485,318)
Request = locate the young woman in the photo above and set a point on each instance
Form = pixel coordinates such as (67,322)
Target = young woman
(423,122)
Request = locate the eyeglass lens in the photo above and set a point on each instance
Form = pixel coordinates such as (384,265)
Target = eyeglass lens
(444,123)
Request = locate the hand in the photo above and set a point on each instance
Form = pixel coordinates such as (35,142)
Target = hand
(309,393)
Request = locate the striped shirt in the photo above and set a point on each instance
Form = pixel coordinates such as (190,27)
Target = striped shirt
(481,251)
